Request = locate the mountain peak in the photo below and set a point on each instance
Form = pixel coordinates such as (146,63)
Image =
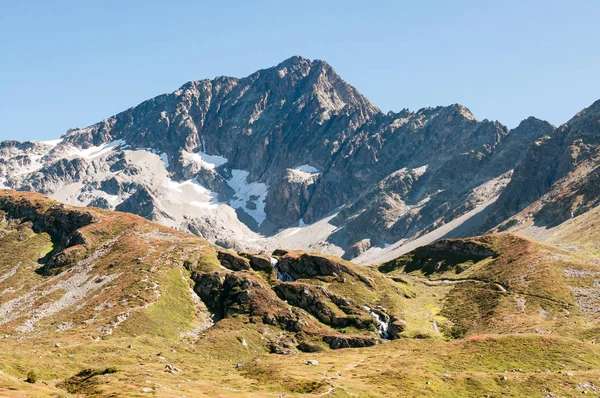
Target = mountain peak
(463,110)
(294,60)
(593,109)
(533,122)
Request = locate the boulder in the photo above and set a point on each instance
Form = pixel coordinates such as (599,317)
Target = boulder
(232,261)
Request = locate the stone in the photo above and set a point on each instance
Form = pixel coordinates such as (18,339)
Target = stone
(233,261)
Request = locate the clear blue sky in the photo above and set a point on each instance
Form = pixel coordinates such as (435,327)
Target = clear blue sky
(72,63)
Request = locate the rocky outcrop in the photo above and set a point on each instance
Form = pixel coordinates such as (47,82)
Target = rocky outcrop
(289,199)
(62,223)
(233,261)
(307,313)
(322,304)
(229,294)
(258,262)
(442,256)
(337,342)
(58,221)
(306,265)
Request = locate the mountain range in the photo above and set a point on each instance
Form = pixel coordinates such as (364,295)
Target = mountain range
(294,156)
(278,235)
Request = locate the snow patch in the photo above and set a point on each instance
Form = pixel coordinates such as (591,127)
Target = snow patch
(94,151)
(204,205)
(207,161)
(165,158)
(189,192)
(180,186)
(306,168)
(248,192)
(304,172)
(51,143)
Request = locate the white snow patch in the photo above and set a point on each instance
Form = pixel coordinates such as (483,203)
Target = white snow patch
(255,192)
(204,205)
(304,172)
(165,158)
(51,143)
(95,151)
(306,168)
(112,199)
(180,186)
(207,161)
(190,192)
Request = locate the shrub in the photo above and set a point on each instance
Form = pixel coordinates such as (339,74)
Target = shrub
(32,377)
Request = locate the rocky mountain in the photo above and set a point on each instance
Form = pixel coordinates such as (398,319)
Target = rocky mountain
(558,178)
(102,303)
(292,156)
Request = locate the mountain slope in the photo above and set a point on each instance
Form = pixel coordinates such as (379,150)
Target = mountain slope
(558,178)
(238,160)
(100,303)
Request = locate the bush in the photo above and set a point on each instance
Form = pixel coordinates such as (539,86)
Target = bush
(89,373)
(32,377)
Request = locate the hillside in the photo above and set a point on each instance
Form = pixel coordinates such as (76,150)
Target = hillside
(101,303)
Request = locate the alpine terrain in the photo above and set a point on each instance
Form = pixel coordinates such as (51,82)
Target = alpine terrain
(289,156)
(278,235)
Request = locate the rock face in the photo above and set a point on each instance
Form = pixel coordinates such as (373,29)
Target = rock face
(442,256)
(238,160)
(307,312)
(558,177)
(61,223)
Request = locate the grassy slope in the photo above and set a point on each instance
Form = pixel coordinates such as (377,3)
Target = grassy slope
(154,288)
(532,365)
